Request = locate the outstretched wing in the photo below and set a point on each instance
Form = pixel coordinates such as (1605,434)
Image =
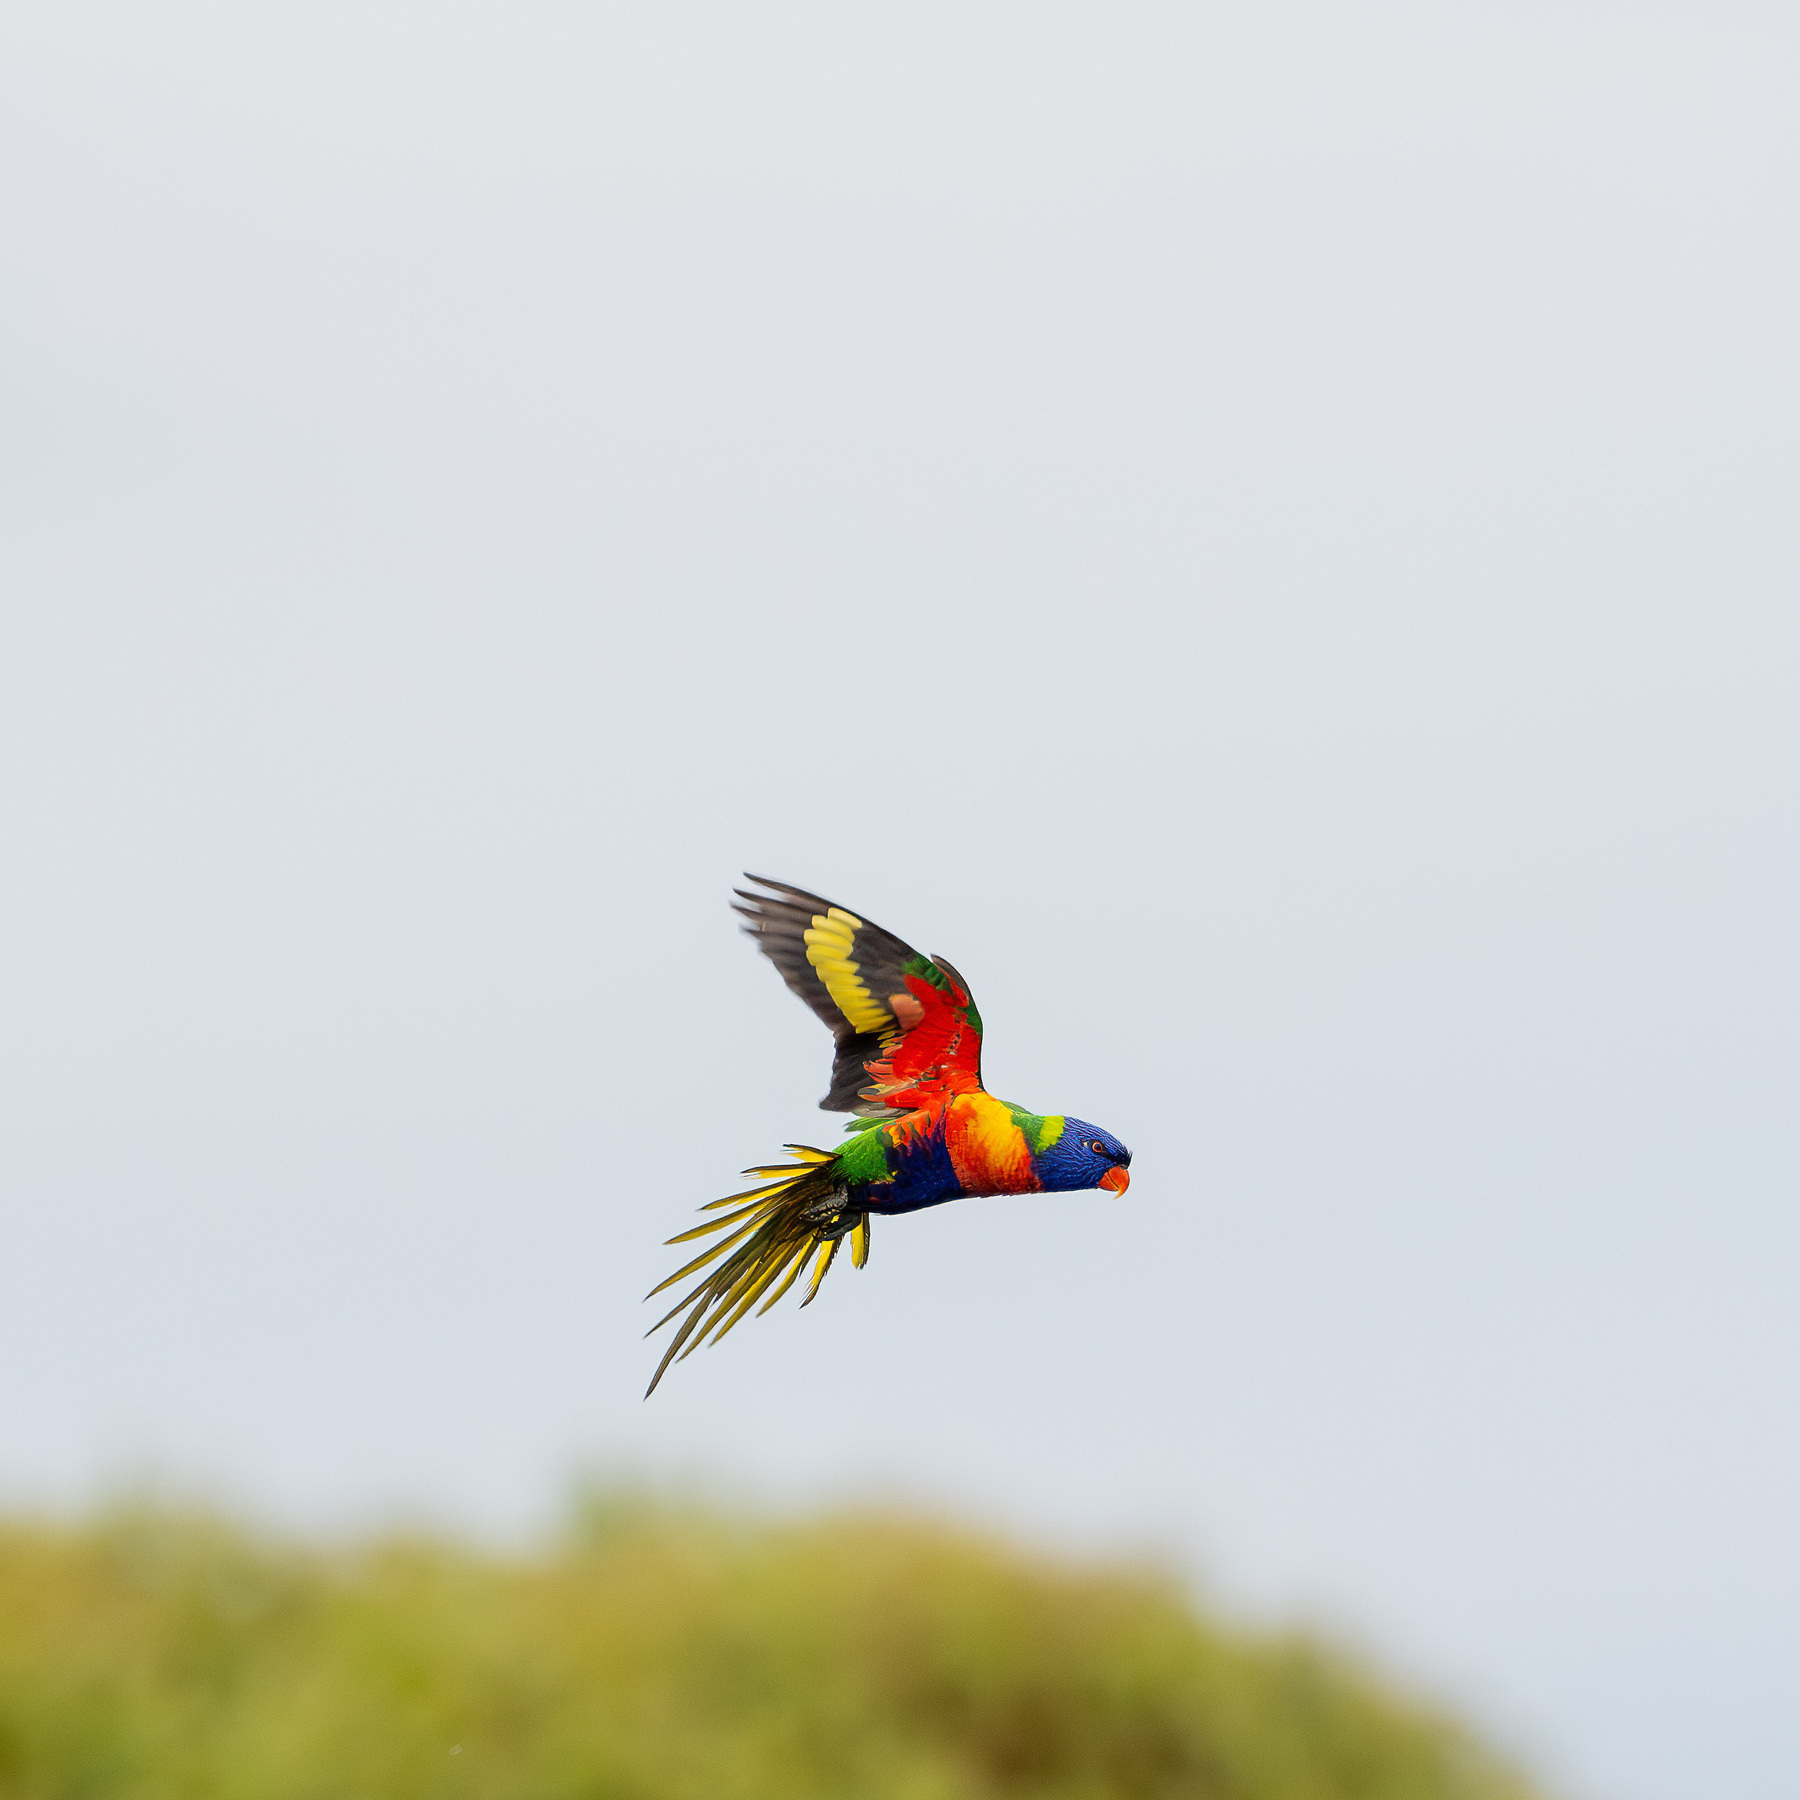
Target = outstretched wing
(906,1027)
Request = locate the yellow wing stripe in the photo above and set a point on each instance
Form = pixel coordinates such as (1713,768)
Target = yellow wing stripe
(828,946)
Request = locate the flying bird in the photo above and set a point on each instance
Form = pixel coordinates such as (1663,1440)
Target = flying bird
(908,1064)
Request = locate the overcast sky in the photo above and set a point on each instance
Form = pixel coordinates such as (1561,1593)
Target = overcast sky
(1265,534)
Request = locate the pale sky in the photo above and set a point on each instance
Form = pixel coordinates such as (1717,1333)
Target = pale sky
(1264,534)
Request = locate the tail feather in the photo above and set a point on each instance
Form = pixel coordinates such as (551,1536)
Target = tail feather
(827,1256)
(768,1187)
(788,1223)
(718,1224)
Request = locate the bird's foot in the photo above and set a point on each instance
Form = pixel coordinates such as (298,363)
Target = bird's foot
(831,1215)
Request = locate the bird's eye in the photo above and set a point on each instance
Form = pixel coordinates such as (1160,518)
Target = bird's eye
(1095,1145)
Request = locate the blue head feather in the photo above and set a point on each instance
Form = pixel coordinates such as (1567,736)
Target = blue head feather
(1081,1154)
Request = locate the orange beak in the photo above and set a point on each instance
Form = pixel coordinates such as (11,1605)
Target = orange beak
(1115,1181)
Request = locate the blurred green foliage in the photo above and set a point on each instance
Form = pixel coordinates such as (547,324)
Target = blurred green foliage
(666,1654)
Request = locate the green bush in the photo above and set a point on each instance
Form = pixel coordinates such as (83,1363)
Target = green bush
(666,1655)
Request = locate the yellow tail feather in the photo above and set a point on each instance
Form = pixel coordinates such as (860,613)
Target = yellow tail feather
(827,1256)
(790,1223)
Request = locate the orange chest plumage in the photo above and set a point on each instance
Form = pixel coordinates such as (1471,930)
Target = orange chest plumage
(987,1150)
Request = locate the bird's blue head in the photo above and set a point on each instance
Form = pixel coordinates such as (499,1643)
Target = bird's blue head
(1080,1155)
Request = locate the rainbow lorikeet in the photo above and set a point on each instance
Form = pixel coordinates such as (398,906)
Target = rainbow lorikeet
(909,1064)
